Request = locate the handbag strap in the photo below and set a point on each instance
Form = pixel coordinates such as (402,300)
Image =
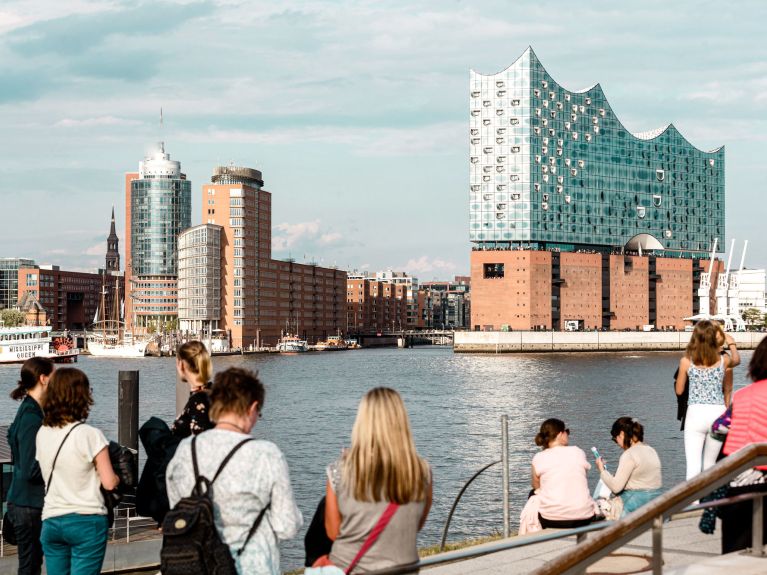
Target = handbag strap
(53,465)
(383,521)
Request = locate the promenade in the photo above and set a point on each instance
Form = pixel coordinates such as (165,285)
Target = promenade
(560,341)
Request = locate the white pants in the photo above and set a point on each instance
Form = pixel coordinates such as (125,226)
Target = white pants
(700,449)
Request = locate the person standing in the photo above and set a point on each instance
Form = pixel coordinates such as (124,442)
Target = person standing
(253,481)
(704,367)
(74,461)
(25,495)
(194,366)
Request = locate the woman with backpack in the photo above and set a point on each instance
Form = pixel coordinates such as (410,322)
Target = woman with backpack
(75,464)
(379,493)
(246,479)
(25,496)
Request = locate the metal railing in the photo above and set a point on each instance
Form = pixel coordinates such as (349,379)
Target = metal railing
(651,515)
(614,534)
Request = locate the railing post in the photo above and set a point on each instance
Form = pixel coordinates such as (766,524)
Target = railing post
(657,545)
(757,528)
(505,464)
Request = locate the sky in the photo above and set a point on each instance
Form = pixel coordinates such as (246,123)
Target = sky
(356,112)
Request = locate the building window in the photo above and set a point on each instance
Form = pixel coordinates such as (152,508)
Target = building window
(493,271)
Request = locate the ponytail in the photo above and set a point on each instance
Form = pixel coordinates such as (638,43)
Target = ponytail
(549,431)
(31,371)
(631,428)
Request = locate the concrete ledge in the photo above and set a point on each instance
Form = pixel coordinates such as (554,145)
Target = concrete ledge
(558,341)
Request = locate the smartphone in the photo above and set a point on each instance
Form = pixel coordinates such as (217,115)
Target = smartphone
(595,451)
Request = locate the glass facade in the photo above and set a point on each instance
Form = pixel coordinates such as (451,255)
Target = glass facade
(199,277)
(160,210)
(553,168)
(9,280)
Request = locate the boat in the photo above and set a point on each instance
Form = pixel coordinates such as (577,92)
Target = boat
(352,344)
(333,343)
(18,344)
(292,344)
(108,337)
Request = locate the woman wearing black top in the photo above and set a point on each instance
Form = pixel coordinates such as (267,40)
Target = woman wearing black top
(25,496)
(194,367)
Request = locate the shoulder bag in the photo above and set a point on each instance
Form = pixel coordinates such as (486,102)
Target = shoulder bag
(323,566)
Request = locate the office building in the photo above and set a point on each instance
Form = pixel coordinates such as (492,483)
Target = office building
(9,280)
(199,279)
(158,206)
(573,218)
(451,302)
(262,297)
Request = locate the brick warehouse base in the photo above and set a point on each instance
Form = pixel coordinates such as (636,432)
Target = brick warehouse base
(532,289)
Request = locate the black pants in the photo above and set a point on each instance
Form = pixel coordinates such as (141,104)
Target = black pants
(27,522)
(565,524)
(737,520)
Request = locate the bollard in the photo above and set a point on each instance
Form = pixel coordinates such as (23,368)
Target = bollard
(127,409)
(505,465)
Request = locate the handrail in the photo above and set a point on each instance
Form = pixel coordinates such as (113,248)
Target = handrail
(488,549)
(576,560)
(518,542)
(458,498)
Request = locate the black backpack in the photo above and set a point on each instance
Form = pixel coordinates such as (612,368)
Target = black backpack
(191,544)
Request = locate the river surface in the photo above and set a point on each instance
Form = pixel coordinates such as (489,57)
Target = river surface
(455,402)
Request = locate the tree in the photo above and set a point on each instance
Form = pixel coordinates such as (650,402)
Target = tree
(12,317)
(752,316)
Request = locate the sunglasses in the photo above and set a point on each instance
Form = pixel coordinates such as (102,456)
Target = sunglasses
(567,430)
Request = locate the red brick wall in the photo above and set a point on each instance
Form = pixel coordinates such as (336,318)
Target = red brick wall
(581,292)
(673,292)
(629,292)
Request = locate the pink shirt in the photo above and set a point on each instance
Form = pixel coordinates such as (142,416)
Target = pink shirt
(564,491)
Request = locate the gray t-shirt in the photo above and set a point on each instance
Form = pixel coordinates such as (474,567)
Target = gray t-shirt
(395,546)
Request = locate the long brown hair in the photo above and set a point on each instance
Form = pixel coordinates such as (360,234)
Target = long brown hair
(68,398)
(31,371)
(382,462)
(550,429)
(705,343)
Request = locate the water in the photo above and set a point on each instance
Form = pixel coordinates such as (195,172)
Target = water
(455,402)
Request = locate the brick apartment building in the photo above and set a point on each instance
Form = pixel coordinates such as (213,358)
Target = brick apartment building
(375,305)
(261,297)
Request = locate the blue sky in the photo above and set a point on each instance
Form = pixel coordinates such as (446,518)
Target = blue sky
(356,112)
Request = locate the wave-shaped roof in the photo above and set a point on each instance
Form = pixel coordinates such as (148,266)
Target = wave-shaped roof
(596,89)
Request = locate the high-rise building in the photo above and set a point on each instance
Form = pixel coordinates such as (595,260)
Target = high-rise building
(262,297)
(199,279)
(9,280)
(375,305)
(573,218)
(158,208)
(113,248)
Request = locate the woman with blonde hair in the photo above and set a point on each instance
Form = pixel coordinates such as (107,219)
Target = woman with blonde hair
(193,366)
(379,493)
(703,367)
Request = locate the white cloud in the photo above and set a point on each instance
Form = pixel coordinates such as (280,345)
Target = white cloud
(424,264)
(96,121)
(99,249)
(291,235)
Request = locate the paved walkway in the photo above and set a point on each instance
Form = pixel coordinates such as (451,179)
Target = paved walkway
(683,545)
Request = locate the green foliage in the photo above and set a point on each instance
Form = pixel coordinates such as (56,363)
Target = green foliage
(753,316)
(12,317)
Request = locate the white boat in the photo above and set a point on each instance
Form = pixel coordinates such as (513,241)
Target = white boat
(99,346)
(292,344)
(108,337)
(18,344)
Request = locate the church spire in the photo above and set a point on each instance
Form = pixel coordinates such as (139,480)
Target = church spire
(113,250)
